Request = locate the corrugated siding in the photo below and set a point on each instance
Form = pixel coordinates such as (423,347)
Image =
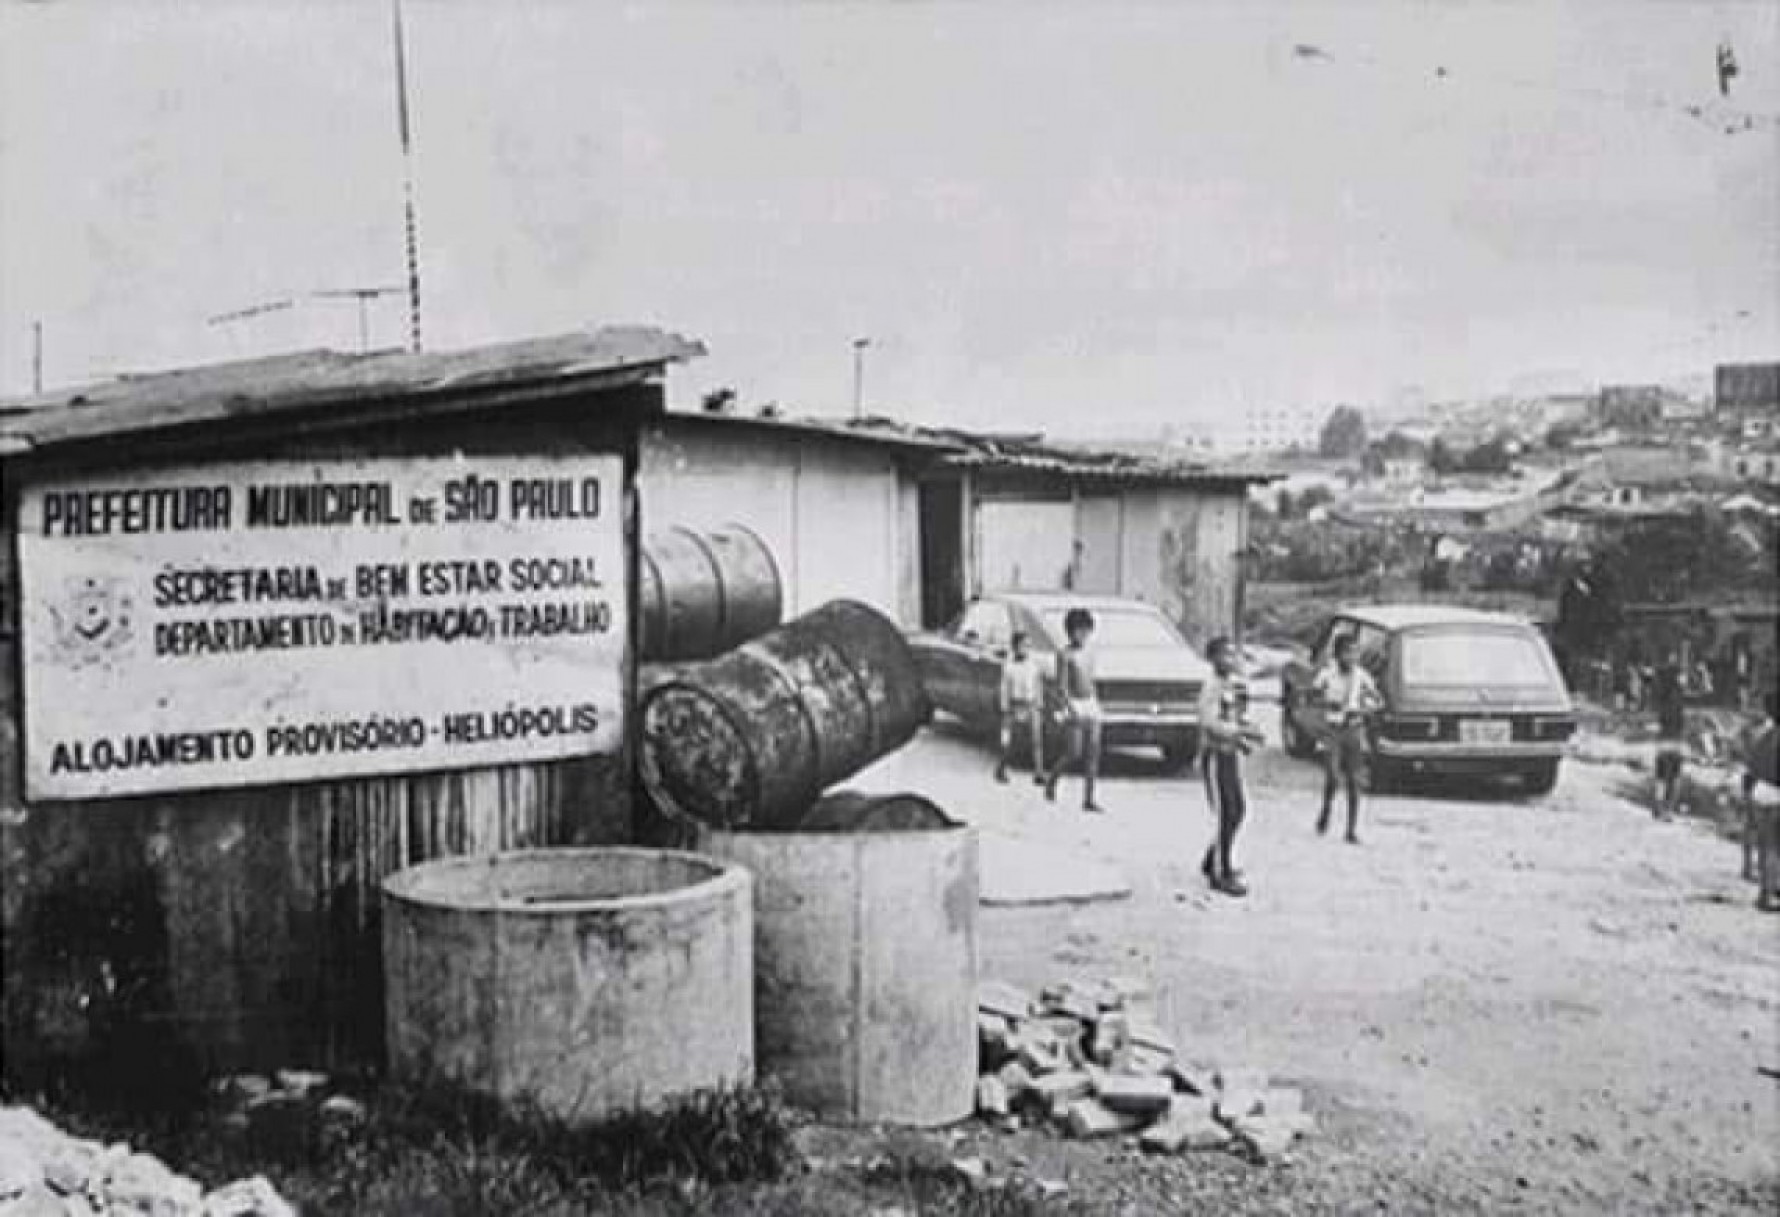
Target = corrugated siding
(1197,542)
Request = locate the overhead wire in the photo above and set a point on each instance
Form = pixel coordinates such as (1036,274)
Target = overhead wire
(1714,114)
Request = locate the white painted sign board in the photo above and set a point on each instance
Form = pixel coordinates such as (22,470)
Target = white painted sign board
(280,621)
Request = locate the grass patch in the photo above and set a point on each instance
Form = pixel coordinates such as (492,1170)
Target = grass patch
(727,1153)
(437,1154)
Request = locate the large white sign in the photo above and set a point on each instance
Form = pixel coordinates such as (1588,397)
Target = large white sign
(222,625)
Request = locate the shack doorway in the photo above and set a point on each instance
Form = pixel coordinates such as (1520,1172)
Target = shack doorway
(942,551)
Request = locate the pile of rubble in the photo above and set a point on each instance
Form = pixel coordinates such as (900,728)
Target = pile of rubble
(1084,1059)
(285,1115)
(45,1172)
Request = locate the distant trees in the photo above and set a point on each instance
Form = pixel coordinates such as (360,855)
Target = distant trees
(1670,558)
(1491,456)
(1560,436)
(1295,507)
(1343,434)
(1396,444)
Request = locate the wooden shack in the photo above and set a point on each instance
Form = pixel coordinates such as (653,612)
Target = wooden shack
(275,629)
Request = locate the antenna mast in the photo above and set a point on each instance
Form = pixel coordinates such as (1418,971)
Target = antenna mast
(404,126)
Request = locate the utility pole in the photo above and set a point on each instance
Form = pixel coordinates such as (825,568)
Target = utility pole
(859,345)
(364,296)
(404,128)
(37,357)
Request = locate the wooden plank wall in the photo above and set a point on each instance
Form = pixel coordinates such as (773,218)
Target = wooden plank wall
(238,929)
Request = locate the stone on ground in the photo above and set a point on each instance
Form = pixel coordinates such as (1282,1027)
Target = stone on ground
(998,997)
(1016,1078)
(253,1197)
(1141,1059)
(1066,1086)
(1088,1118)
(1144,1096)
(303,1082)
(1239,1104)
(1268,1137)
(1193,1079)
(992,1096)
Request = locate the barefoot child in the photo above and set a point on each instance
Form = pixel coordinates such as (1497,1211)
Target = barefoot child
(1081,708)
(1022,707)
(1761,809)
(1348,695)
(1225,737)
(1670,703)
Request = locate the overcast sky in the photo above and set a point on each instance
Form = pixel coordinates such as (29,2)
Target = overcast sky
(1078,216)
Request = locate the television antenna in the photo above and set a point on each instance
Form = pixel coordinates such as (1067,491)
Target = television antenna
(364,296)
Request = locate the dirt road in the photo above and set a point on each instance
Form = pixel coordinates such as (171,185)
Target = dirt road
(1492,1004)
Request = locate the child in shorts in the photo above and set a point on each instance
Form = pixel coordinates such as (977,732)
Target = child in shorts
(1021,702)
(1669,699)
(1081,708)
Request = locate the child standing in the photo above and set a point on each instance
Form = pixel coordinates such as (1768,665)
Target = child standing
(1761,806)
(1081,708)
(1225,738)
(1022,707)
(1670,702)
(1348,694)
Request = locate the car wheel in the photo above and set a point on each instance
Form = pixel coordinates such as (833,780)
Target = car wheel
(1540,778)
(1179,754)
(1296,742)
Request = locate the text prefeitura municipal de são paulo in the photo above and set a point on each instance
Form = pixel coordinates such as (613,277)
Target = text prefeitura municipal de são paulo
(104,511)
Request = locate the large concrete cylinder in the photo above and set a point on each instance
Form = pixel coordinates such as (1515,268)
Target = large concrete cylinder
(752,738)
(585,981)
(865,969)
(701,593)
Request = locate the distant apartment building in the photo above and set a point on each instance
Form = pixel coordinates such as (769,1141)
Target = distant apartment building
(1256,429)
(1746,398)
(1746,388)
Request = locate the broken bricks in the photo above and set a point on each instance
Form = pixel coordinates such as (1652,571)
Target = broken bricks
(1082,1059)
(1143,1096)
(1189,1125)
(1089,1117)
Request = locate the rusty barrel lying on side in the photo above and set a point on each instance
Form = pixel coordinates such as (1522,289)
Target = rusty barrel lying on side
(701,593)
(751,739)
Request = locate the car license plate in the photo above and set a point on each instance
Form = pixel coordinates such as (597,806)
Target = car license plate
(1483,731)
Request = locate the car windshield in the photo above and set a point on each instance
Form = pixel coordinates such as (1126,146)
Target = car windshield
(1113,628)
(1473,657)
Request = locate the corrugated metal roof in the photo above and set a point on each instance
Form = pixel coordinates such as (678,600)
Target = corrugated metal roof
(328,380)
(795,427)
(1099,466)
(1034,454)
(979,450)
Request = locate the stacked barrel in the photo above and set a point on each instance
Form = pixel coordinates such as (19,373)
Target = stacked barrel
(865,906)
